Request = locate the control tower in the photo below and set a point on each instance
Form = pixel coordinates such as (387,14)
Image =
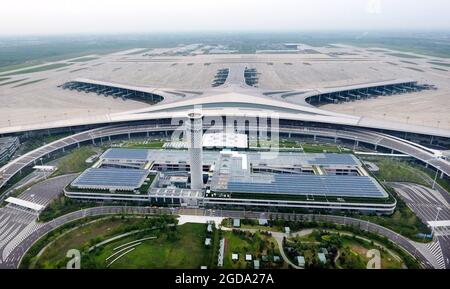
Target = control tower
(194,134)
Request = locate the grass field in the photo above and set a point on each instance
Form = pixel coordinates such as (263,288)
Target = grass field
(244,243)
(83,59)
(149,145)
(344,251)
(30,82)
(307,147)
(75,162)
(55,254)
(183,248)
(185,252)
(13,81)
(354,253)
(39,68)
(138,144)
(321,148)
(19,66)
(396,171)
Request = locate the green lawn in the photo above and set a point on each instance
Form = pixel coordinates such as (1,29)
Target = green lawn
(19,66)
(54,255)
(397,171)
(354,255)
(88,234)
(149,145)
(187,251)
(320,148)
(75,162)
(307,147)
(442,182)
(244,243)
(145,187)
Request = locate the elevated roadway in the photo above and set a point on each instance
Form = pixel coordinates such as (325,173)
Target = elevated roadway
(416,151)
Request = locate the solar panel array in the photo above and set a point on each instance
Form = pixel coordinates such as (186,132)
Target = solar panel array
(333,186)
(126,154)
(110,178)
(333,159)
(295,158)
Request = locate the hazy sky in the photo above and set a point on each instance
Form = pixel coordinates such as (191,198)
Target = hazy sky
(122,16)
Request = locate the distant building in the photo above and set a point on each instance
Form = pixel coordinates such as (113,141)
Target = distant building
(45,168)
(263,222)
(8,146)
(225,140)
(301,261)
(179,181)
(322,258)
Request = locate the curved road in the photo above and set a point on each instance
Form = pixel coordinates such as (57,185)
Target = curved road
(14,258)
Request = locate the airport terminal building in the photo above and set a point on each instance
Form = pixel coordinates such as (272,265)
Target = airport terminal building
(235,179)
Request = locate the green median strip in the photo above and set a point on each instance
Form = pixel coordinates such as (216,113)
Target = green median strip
(30,82)
(13,81)
(39,68)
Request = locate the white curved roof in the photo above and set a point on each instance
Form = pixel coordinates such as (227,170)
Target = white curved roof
(238,100)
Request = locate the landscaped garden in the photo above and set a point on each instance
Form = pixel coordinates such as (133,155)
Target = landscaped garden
(128,242)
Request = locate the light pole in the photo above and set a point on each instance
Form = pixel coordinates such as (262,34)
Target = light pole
(356,142)
(435,177)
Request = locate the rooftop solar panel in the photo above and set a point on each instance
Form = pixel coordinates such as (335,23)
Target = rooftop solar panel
(110,178)
(126,154)
(333,186)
